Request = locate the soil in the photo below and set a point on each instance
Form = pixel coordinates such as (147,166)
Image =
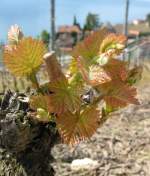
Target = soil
(121,146)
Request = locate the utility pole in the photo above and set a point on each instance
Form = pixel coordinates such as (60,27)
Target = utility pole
(126,18)
(52,19)
(126,24)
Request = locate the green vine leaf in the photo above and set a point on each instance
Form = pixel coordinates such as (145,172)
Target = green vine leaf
(64,97)
(41,104)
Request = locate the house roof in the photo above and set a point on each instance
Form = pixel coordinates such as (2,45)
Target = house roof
(69,29)
(133,29)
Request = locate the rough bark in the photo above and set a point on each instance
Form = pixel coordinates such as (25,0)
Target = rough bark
(25,144)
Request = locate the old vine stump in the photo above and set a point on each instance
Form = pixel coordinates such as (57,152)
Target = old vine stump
(25,144)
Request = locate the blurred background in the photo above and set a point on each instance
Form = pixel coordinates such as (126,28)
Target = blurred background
(63,23)
(122,146)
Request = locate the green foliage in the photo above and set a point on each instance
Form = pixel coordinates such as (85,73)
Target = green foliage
(40,103)
(65,97)
(75,37)
(45,37)
(148,19)
(75,22)
(92,22)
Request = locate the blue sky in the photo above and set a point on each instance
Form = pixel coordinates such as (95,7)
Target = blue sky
(33,15)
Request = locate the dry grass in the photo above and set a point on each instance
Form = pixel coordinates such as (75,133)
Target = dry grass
(8,81)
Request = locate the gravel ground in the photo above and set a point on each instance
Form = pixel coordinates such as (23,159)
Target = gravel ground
(121,146)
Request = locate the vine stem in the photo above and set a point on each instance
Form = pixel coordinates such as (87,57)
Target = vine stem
(34,80)
(98,99)
(53,67)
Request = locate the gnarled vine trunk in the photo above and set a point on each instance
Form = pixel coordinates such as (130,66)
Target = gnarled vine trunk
(25,144)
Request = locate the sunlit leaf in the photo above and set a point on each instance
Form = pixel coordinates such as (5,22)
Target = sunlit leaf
(75,127)
(38,101)
(108,109)
(113,43)
(89,47)
(73,67)
(64,97)
(14,34)
(25,58)
(41,105)
(95,75)
(82,68)
(117,69)
(75,75)
(117,94)
(103,59)
(76,81)
(42,115)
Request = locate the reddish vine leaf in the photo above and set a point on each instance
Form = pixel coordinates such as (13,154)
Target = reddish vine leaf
(113,42)
(117,94)
(89,47)
(98,75)
(64,97)
(83,68)
(26,57)
(117,69)
(75,127)
(14,35)
(95,75)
